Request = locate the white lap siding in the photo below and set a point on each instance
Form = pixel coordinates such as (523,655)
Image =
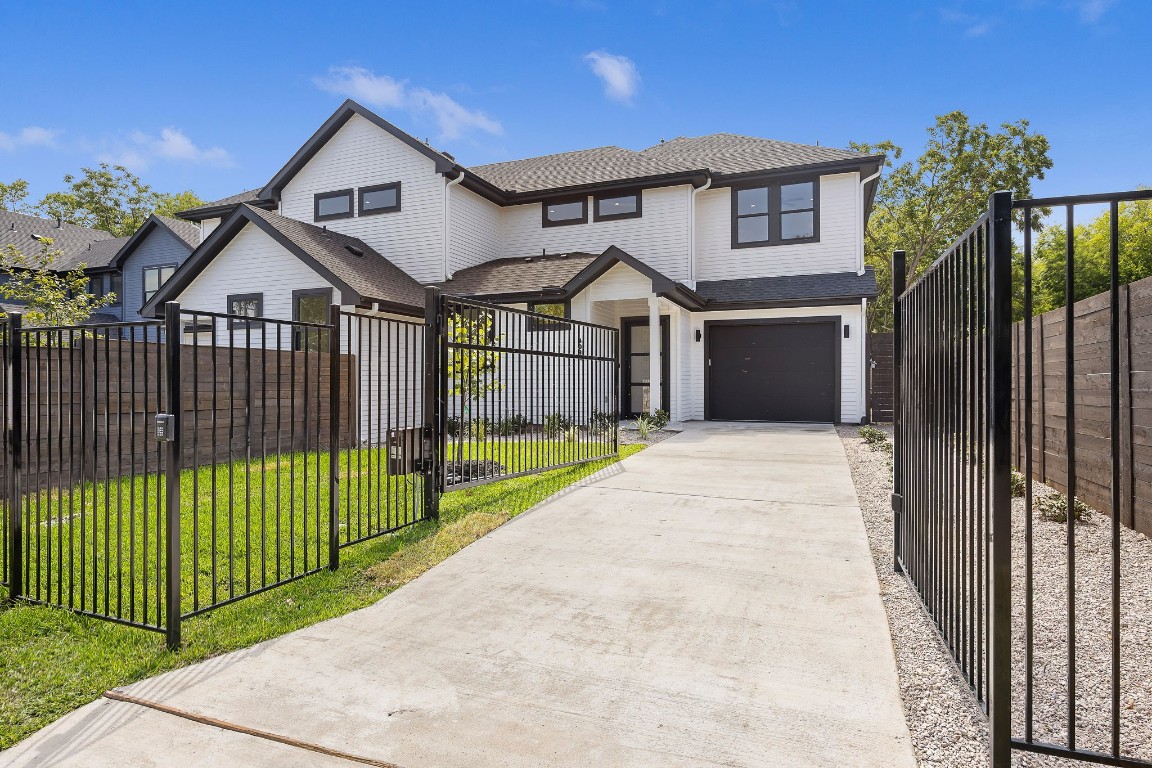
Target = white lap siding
(474,236)
(852,383)
(837,251)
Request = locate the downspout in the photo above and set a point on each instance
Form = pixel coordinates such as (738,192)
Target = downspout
(447,228)
(860,213)
(692,232)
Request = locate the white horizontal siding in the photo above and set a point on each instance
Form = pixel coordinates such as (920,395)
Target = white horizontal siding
(837,251)
(474,236)
(851,369)
(659,237)
(362,154)
(620,282)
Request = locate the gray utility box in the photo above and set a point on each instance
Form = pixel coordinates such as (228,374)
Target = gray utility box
(404,449)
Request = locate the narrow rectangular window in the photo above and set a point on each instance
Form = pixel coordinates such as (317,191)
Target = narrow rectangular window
(559,213)
(154,277)
(618,205)
(558,309)
(245,305)
(311,306)
(797,211)
(382,198)
(333,205)
(116,287)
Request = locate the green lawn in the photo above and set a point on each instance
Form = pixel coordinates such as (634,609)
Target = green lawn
(52,661)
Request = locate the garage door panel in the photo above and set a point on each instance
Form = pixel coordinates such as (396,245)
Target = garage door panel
(773,372)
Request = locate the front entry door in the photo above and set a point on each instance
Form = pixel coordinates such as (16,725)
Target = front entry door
(637,368)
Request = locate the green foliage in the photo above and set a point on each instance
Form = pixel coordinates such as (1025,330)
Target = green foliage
(922,205)
(1019,484)
(50,298)
(1054,507)
(602,420)
(872,435)
(556,423)
(110,198)
(12,196)
(645,425)
(512,425)
(472,371)
(479,429)
(572,434)
(661,418)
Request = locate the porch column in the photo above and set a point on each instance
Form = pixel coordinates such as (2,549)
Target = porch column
(655,353)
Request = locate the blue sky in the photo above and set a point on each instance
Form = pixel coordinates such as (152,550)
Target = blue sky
(216,96)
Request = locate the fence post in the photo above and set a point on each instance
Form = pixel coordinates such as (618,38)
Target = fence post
(999,476)
(15,417)
(433,416)
(172,467)
(899,284)
(334,438)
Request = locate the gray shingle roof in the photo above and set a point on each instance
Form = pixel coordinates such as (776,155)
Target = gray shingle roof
(727,153)
(99,254)
(586,166)
(185,230)
(249,196)
(519,275)
(371,275)
(835,285)
(72,241)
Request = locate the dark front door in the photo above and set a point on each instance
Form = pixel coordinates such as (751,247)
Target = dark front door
(637,391)
(776,371)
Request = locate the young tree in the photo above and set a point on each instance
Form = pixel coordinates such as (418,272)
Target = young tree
(472,369)
(12,196)
(922,205)
(110,198)
(51,298)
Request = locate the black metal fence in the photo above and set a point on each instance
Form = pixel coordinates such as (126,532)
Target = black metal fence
(159,470)
(957,536)
(519,392)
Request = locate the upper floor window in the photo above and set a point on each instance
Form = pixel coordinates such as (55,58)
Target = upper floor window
(775,214)
(333,205)
(562,212)
(116,286)
(154,277)
(246,305)
(382,198)
(617,205)
(96,286)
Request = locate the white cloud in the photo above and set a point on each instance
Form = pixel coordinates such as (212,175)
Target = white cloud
(452,118)
(32,136)
(141,150)
(974,26)
(618,73)
(1091,11)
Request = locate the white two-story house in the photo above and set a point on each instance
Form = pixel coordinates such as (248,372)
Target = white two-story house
(733,266)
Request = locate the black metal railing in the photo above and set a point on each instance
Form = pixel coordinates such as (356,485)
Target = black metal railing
(972,386)
(520,392)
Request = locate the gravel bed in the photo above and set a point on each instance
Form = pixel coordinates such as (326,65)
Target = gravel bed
(947,726)
(632,437)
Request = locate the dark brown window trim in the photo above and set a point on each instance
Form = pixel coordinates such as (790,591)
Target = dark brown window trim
(638,213)
(300,333)
(159,268)
(774,212)
(234,297)
(536,324)
(327,196)
(377,188)
(582,199)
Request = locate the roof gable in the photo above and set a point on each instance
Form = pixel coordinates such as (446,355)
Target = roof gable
(185,234)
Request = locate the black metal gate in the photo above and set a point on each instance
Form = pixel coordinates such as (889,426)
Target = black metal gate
(953,382)
(513,392)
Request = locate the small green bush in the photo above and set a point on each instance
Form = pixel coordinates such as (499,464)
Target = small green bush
(556,423)
(660,419)
(645,424)
(602,421)
(1054,508)
(572,434)
(1019,484)
(873,436)
(479,429)
(516,424)
(452,425)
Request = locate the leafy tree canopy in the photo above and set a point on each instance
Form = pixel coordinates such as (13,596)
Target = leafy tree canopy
(51,298)
(922,205)
(111,198)
(12,196)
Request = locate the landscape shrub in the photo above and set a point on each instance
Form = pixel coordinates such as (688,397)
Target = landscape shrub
(1054,507)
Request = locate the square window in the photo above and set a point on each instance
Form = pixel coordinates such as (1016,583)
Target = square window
(751,202)
(154,277)
(752,229)
(776,213)
(796,197)
(382,198)
(246,305)
(333,205)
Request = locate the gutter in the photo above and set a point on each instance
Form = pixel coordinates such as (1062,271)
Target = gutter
(860,216)
(692,232)
(447,230)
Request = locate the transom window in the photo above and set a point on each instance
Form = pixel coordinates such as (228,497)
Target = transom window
(154,277)
(775,214)
(333,205)
(246,304)
(617,205)
(382,198)
(562,212)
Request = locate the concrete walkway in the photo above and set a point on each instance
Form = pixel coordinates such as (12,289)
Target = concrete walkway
(708,602)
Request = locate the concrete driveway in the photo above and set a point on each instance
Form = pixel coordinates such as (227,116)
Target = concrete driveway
(710,601)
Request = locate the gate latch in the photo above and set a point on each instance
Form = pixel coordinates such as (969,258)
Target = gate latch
(164,424)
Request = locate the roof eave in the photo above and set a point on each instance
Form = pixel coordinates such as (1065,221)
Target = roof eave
(829,166)
(220,211)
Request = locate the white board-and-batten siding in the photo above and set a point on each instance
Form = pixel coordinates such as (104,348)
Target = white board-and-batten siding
(362,154)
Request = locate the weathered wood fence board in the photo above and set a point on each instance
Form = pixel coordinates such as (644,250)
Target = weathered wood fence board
(880,390)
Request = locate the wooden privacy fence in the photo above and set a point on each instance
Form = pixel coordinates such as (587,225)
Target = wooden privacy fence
(1093,430)
(880,377)
(92,405)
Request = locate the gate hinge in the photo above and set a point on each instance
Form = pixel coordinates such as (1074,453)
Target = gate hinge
(897,503)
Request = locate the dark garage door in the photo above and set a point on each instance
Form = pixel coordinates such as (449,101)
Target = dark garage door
(773,371)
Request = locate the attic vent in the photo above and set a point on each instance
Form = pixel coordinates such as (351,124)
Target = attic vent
(563,255)
(354,250)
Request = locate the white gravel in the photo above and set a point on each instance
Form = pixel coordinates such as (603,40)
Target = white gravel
(948,728)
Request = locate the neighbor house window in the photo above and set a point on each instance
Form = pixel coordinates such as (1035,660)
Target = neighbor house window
(382,198)
(311,306)
(562,212)
(558,310)
(96,286)
(775,214)
(617,205)
(333,205)
(116,286)
(154,277)
(246,305)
